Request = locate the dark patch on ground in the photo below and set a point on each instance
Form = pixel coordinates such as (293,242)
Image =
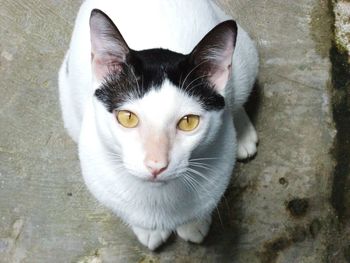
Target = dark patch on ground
(298,207)
(228,220)
(254,103)
(283,181)
(299,234)
(273,248)
(340,198)
(236,190)
(247,160)
(347,253)
(315,228)
(341,114)
(338,247)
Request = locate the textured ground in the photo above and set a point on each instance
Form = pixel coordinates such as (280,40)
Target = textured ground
(277,208)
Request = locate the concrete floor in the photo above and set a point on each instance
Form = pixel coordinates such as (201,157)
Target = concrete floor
(277,208)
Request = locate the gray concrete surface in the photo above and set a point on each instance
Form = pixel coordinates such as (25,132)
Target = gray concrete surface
(277,208)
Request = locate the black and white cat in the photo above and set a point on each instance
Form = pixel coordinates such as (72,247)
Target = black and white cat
(154,104)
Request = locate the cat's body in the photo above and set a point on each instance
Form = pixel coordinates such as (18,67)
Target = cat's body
(156,208)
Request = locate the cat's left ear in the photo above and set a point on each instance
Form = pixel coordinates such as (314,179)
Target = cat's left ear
(212,57)
(108,47)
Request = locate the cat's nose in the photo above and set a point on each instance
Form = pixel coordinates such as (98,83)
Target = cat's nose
(156,167)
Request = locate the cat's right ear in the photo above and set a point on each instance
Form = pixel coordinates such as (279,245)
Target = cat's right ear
(108,47)
(212,56)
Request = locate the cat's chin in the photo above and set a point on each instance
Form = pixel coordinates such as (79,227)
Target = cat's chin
(155,182)
(159,181)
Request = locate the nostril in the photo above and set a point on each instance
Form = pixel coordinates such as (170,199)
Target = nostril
(156,171)
(162,169)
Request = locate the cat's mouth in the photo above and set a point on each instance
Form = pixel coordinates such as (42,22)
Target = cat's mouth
(158,181)
(155,181)
(161,179)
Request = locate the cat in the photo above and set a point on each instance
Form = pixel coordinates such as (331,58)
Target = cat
(153,93)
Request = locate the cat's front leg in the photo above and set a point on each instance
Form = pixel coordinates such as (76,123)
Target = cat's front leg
(151,238)
(194,231)
(247,137)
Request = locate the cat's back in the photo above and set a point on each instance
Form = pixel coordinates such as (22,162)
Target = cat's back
(173,24)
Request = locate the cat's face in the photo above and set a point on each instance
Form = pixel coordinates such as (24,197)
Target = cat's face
(157,133)
(155,107)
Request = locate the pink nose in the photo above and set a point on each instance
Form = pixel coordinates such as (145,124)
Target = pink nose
(155,172)
(156,167)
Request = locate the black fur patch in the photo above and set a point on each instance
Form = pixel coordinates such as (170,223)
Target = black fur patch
(147,69)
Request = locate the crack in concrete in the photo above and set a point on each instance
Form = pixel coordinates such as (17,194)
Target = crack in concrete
(9,250)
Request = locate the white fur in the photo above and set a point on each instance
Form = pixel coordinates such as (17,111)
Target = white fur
(194,231)
(112,157)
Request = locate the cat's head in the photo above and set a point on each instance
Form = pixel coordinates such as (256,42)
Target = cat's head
(155,107)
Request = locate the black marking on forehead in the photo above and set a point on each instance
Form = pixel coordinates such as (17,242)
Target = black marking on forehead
(147,69)
(115,90)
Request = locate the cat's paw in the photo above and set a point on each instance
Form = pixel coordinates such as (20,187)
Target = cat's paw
(247,137)
(151,238)
(246,143)
(194,231)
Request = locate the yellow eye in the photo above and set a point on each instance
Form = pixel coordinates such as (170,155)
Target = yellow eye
(188,123)
(127,119)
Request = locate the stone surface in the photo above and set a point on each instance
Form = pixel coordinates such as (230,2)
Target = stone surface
(47,214)
(342,25)
(339,247)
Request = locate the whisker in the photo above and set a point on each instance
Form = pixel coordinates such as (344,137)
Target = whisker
(183,83)
(201,185)
(200,77)
(200,159)
(217,210)
(137,83)
(194,181)
(200,175)
(204,166)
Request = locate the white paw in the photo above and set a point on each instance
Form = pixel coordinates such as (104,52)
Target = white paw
(194,231)
(151,238)
(246,135)
(246,142)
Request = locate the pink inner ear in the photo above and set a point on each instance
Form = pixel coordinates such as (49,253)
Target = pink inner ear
(222,71)
(220,78)
(102,67)
(108,48)
(215,53)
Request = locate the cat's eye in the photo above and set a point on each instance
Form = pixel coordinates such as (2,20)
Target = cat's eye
(188,123)
(127,118)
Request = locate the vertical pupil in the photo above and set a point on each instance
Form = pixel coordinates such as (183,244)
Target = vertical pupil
(129,115)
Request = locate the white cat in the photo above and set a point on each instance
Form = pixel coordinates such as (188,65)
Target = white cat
(149,95)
